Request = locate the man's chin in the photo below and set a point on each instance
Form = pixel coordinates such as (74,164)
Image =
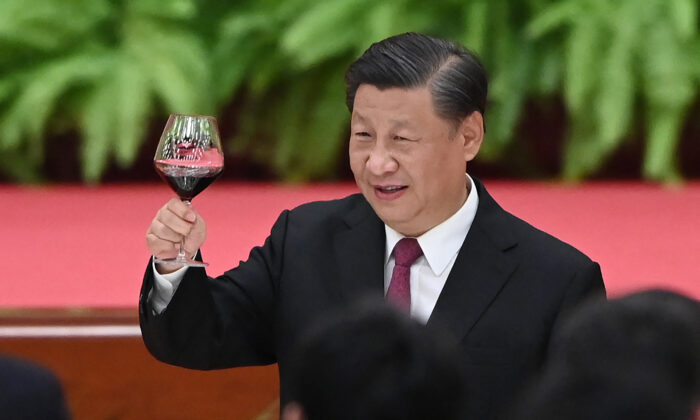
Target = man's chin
(395,220)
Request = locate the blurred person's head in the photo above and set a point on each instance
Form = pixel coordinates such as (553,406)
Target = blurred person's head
(632,355)
(372,363)
(640,394)
(654,329)
(417,106)
(30,391)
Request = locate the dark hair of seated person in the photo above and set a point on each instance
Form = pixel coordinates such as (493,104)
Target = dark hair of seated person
(644,394)
(372,363)
(654,329)
(635,357)
(29,391)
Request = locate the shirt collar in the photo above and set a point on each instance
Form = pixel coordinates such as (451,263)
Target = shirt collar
(442,242)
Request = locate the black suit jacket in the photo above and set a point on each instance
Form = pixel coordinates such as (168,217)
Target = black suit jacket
(509,286)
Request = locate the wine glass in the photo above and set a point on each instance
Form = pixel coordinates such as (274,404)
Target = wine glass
(188,158)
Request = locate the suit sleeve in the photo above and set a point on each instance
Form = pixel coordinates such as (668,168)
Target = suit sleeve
(586,284)
(221,322)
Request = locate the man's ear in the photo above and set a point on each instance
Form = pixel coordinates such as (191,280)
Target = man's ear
(293,411)
(471,132)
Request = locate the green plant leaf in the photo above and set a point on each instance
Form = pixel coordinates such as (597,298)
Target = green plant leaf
(168,9)
(314,36)
(8,87)
(581,151)
(508,95)
(615,95)
(684,17)
(243,40)
(99,132)
(548,68)
(327,122)
(15,165)
(49,25)
(41,91)
(553,17)
(476,19)
(663,129)
(176,66)
(584,48)
(131,107)
(277,69)
(509,86)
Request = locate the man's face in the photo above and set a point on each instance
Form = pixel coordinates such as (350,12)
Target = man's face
(409,163)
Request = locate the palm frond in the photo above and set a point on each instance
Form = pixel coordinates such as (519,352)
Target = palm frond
(47,25)
(476,30)
(41,91)
(554,17)
(684,17)
(131,109)
(104,68)
(99,130)
(660,158)
(312,38)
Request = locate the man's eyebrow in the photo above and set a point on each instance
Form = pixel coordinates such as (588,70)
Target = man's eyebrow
(400,123)
(395,123)
(358,117)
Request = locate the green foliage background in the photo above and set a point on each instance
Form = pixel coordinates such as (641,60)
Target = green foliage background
(106,68)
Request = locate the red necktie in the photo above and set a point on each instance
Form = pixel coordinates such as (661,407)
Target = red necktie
(406,252)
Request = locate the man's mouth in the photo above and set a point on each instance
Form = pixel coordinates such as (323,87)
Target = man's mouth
(391,188)
(389,192)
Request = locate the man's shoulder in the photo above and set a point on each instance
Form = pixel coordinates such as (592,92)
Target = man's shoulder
(532,242)
(543,243)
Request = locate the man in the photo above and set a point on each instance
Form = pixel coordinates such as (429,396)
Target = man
(370,362)
(494,282)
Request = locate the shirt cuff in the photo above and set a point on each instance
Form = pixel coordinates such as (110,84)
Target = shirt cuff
(164,287)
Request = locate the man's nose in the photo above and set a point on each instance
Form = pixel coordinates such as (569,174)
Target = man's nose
(381,161)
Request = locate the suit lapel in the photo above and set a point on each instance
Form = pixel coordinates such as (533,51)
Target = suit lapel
(480,271)
(359,253)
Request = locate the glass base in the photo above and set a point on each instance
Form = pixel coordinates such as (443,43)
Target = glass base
(180,262)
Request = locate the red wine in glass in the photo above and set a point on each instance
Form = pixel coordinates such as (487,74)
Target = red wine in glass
(187,181)
(189,158)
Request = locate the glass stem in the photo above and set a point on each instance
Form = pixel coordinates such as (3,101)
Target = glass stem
(181,253)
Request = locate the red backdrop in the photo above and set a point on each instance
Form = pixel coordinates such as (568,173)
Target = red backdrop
(74,246)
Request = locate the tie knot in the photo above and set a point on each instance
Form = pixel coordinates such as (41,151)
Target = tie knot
(406,251)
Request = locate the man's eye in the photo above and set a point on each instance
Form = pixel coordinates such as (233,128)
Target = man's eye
(362,134)
(402,138)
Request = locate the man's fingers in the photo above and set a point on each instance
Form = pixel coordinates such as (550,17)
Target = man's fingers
(174,222)
(166,249)
(161,248)
(181,210)
(167,232)
(171,225)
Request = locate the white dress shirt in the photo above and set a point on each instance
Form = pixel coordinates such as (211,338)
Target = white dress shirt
(429,272)
(440,246)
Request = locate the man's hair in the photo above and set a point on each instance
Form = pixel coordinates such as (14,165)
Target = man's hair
(30,391)
(655,329)
(636,394)
(636,357)
(454,75)
(371,363)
